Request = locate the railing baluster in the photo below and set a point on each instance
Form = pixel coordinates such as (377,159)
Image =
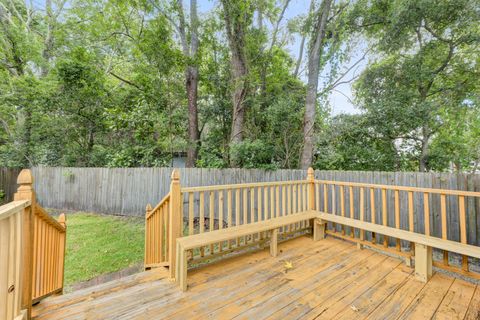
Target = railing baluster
(397,217)
(190,213)
(277,201)
(463,229)
(237,212)
(325,198)
(443,210)
(229,213)
(411,225)
(352,214)
(362,211)
(372,212)
(342,206)
(211,218)
(384,215)
(426,213)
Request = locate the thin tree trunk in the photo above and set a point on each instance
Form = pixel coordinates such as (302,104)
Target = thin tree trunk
(191,84)
(312,86)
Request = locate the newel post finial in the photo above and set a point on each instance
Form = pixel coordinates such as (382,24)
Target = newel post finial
(25,190)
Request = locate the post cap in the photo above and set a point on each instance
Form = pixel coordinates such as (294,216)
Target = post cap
(149,207)
(175,175)
(25,177)
(62,219)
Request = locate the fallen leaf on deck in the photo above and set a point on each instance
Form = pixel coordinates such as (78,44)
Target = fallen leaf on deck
(354,308)
(288,265)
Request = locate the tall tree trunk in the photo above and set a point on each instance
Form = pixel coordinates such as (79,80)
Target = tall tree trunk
(423,161)
(191,83)
(237,17)
(312,86)
(48,44)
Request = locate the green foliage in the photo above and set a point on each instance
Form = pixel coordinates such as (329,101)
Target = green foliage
(108,88)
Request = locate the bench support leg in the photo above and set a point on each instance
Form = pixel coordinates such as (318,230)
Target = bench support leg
(181,268)
(423,262)
(359,246)
(274,243)
(318,229)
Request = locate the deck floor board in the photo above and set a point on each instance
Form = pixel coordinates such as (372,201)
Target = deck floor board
(330,279)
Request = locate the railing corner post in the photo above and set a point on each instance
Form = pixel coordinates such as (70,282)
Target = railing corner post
(62,219)
(175,219)
(311,188)
(25,192)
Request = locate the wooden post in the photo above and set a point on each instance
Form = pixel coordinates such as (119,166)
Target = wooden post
(148,237)
(274,243)
(311,188)
(318,229)
(175,219)
(62,248)
(25,192)
(423,262)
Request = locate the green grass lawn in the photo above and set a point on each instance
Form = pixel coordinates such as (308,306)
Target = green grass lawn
(98,244)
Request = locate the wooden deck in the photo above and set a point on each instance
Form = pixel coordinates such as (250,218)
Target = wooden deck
(330,279)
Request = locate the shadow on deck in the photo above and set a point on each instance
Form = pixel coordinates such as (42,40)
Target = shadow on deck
(329,279)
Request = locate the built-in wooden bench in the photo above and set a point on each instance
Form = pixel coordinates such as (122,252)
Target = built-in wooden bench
(423,243)
(187,243)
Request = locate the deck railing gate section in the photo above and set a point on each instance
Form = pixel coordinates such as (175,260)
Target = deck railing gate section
(192,210)
(32,252)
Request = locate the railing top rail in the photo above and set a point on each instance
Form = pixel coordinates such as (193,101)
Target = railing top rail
(159,205)
(49,219)
(241,185)
(402,188)
(10,208)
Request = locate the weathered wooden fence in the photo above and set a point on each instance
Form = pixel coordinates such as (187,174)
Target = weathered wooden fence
(127,190)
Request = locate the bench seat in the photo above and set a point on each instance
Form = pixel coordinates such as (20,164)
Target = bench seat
(423,243)
(203,239)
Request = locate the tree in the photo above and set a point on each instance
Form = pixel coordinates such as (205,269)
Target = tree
(315,51)
(425,65)
(237,17)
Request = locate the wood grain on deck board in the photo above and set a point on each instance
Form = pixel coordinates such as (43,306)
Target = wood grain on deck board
(330,279)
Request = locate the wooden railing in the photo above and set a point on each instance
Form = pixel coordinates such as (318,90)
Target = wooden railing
(193,210)
(433,212)
(48,255)
(12,277)
(32,251)
(223,206)
(156,234)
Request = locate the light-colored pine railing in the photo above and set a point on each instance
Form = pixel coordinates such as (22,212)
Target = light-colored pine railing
(209,208)
(32,251)
(433,212)
(156,234)
(12,275)
(49,236)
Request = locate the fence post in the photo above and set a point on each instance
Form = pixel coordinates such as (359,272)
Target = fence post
(25,192)
(175,220)
(311,188)
(62,248)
